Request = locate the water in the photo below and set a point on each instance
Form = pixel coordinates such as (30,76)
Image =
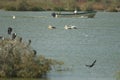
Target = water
(96,38)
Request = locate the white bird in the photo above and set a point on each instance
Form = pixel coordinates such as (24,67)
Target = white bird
(70,27)
(51,27)
(73,27)
(13,17)
(67,27)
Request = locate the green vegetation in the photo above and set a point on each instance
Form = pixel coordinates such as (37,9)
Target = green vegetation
(60,5)
(117,76)
(18,59)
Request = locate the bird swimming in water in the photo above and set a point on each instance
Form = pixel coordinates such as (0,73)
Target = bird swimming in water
(51,27)
(9,30)
(90,66)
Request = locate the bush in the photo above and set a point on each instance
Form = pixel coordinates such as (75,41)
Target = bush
(22,5)
(58,9)
(10,8)
(18,59)
(36,9)
(87,6)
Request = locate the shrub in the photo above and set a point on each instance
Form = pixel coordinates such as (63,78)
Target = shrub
(35,8)
(10,8)
(86,6)
(58,9)
(21,5)
(18,59)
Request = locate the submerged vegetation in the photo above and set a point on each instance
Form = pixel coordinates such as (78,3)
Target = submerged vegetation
(18,59)
(60,5)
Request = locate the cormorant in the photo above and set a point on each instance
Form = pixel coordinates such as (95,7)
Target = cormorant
(9,30)
(91,64)
(14,36)
(35,52)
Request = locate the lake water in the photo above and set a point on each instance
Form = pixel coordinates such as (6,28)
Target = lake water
(95,39)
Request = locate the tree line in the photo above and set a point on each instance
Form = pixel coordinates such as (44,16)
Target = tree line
(59,5)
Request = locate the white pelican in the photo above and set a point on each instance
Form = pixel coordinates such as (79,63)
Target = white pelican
(73,27)
(67,27)
(51,27)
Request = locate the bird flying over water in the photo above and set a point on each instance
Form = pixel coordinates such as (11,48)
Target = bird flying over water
(90,66)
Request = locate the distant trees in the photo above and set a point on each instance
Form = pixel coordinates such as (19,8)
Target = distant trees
(38,5)
(21,5)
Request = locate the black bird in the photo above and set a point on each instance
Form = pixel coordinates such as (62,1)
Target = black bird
(14,36)
(35,52)
(29,42)
(90,66)
(9,30)
(1,38)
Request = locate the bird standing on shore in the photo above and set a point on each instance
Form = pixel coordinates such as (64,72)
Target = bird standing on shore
(14,36)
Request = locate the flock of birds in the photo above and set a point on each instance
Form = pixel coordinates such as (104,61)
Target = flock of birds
(10,33)
(13,35)
(53,27)
(49,27)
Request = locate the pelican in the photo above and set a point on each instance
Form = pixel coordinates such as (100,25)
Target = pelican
(73,27)
(67,27)
(13,17)
(51,27)
(90,66)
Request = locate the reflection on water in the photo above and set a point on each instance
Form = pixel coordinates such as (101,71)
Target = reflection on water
(96,38)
